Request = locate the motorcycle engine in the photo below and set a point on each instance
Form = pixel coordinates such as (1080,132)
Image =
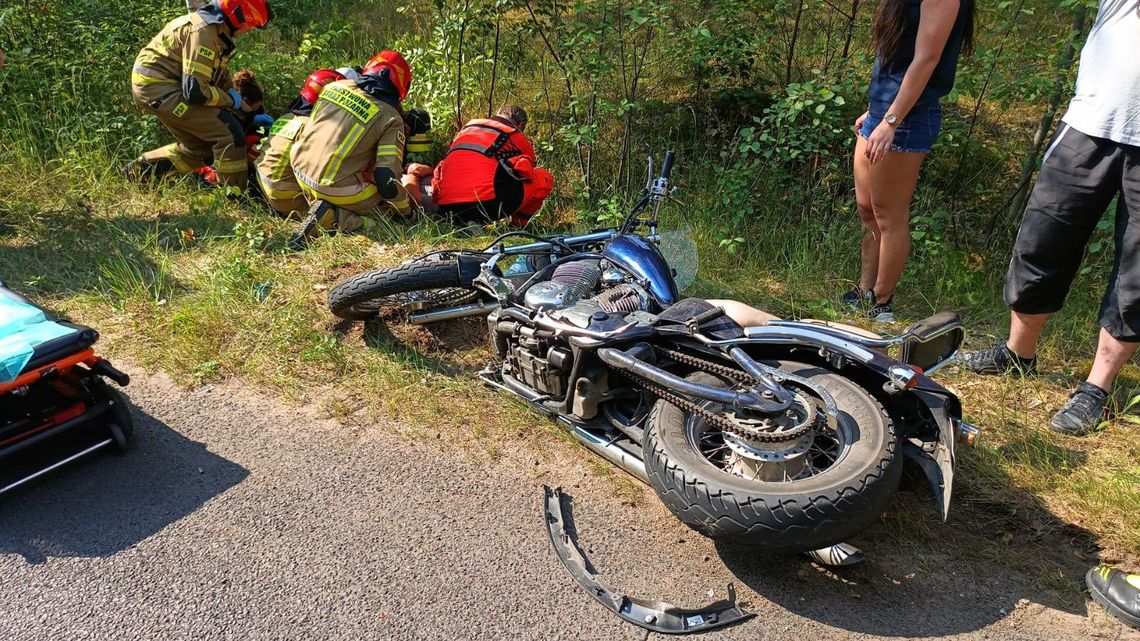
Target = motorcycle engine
(578,293)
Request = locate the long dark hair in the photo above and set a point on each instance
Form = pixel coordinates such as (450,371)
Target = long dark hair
(890,21)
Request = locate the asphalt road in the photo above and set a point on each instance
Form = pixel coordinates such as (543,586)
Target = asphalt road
(237,517)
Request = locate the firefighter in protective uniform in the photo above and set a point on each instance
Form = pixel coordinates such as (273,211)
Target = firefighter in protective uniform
(274,173)
(489,172)
(349,158)
(182,77)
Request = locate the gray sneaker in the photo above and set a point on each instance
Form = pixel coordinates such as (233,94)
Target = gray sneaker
(881,312)
(1082,414)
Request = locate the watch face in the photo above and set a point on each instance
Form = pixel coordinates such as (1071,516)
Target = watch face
(892,119)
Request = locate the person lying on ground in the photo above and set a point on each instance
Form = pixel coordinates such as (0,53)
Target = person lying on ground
(1092,161)
(182,77)
(490,172)
(254,121)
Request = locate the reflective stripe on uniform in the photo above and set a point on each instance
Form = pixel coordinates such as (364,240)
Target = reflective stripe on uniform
(194,67)
(140,80)
(172,154)
(231,166)
(346,147)
(271,188)
(387,150)
(360,193)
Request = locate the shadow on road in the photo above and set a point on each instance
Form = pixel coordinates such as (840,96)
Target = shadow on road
(107,503)
(946,580)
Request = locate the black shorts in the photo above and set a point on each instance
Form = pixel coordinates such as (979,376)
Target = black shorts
(1079,178)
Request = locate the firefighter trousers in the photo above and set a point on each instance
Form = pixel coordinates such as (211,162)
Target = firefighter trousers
(204,135)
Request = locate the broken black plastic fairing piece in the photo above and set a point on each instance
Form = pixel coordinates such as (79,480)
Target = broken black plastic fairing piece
(657,616)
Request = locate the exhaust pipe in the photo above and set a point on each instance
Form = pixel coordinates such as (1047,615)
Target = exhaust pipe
(968,434)
(606,449)
(481,308)
(603,447)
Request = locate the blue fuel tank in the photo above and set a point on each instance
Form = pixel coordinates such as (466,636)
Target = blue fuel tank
(642,257)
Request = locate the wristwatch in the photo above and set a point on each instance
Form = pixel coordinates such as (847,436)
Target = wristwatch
(892,119)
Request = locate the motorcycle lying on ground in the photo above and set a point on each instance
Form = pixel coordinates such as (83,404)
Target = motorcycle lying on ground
(789,436)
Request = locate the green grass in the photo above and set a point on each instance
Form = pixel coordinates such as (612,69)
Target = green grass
(186,282)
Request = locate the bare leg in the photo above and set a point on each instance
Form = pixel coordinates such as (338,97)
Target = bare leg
(869,245)
(1024,331)
(1111,355)
(744,315)
(893,181)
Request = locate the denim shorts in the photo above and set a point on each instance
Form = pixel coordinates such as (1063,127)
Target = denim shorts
(915,134)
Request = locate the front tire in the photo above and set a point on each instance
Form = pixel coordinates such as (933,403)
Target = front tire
(413,285)
(789,515)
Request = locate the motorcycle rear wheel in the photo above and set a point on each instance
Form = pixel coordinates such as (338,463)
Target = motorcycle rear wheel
(823,509)
(414,286)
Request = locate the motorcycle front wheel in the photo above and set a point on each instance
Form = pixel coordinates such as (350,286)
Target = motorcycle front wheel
(815,493)
(418,285)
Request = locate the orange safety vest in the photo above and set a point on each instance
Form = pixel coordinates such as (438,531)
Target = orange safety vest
(483,148)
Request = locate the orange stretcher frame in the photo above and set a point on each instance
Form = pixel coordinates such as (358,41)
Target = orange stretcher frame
(86,357)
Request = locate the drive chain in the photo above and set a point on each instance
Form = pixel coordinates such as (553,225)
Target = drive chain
(721,421)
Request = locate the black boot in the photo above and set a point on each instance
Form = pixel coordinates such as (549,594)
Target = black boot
(141,171)
(322,217)
(1118,592)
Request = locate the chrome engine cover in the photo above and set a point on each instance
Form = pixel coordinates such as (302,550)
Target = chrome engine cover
(549,295)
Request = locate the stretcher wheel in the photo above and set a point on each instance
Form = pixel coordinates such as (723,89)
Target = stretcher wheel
(119,422)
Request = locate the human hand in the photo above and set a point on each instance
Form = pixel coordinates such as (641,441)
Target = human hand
(859,121)
(419,170)
(412,186)
(880,141)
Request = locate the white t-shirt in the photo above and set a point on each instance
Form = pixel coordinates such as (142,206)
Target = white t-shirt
(1107,100)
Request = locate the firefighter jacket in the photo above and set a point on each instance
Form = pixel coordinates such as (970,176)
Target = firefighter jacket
(190,55)
(352,148)
(275,152)
(486,157)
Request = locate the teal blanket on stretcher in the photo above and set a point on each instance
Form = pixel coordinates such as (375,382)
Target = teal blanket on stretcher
(22,328)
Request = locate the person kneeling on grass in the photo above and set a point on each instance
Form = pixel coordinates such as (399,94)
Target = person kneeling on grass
(182,78)
(1094,160)
(349,158)
(490,172)
(274,173)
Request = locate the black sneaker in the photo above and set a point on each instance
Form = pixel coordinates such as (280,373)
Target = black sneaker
(1082,413)
(999,360)
(855,298)
(1118,592)
(881,312)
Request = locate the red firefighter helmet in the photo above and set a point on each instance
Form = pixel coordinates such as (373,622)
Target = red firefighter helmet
(399,72)
(246,14)
(316,83)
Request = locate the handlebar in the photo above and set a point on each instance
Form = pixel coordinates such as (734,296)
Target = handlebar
(667,165)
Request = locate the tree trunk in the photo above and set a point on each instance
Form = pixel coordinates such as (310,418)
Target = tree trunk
(850,29)
(1029,165)
(792,45)
(494,68)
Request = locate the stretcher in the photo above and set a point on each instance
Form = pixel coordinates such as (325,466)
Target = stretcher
(56,405)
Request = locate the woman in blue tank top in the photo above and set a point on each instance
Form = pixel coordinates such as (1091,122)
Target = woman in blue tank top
(918,43)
